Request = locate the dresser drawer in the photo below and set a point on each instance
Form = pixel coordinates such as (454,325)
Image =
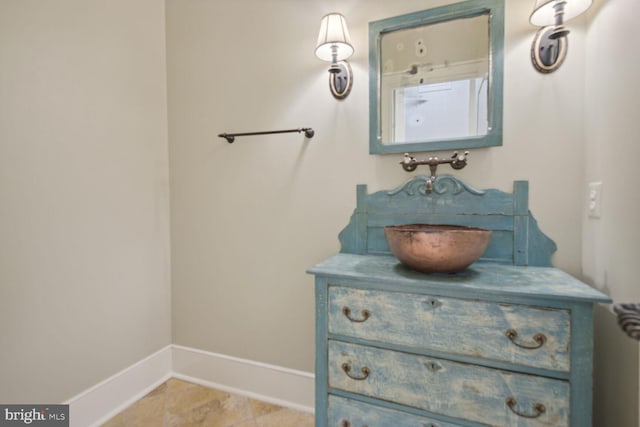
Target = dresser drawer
(530,336)
(485,395)
(352,413)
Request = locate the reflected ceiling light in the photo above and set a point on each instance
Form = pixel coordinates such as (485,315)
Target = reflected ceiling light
(549,47)
(334,45)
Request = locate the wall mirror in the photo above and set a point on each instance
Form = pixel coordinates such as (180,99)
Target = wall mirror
(436,78)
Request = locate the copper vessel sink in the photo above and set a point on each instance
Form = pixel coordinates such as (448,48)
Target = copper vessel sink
(437,248)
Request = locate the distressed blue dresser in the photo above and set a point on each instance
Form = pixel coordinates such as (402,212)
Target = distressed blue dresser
(507,342)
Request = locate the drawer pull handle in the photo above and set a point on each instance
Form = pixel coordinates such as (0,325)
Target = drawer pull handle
(345,423)
(364,313)
(538,408)
(540,339)
(347,370)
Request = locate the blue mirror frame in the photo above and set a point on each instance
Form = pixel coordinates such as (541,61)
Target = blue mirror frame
(467,9)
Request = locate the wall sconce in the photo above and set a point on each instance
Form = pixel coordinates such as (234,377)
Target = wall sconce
(334,45)
(549,47)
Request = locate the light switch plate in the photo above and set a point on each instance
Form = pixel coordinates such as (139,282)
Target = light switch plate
(595,200)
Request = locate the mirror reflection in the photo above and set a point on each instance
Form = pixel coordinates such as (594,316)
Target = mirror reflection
(436,78)
(432,89)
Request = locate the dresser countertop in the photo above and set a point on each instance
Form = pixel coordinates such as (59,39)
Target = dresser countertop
(485,277)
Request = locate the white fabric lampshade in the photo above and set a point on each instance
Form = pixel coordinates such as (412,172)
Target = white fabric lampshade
(334,32)
(544,13)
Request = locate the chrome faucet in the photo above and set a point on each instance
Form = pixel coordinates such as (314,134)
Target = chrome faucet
(457,161)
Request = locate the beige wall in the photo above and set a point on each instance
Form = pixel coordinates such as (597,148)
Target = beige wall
(249,218)
(610,249)
(84,240)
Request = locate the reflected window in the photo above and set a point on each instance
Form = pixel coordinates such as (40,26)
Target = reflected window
(434,89)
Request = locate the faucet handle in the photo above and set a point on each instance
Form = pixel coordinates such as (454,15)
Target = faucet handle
(409,163)
(459,161)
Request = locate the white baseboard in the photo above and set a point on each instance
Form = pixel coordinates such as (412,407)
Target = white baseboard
(97,404)
(274,384)
(260,381)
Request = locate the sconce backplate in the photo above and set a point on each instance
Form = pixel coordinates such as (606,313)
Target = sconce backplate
(340,82)
(547,54)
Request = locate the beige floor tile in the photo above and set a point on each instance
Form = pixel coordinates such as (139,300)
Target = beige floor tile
(194,417)
(260,408)
(189,398)
(235,409)
(174,384)
(178,403)
(148,411)
(286,418)
(117,421)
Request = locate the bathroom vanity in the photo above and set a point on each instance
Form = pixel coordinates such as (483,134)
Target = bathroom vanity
(506,342)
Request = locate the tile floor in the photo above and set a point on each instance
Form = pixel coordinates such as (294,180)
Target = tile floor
(178,403)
